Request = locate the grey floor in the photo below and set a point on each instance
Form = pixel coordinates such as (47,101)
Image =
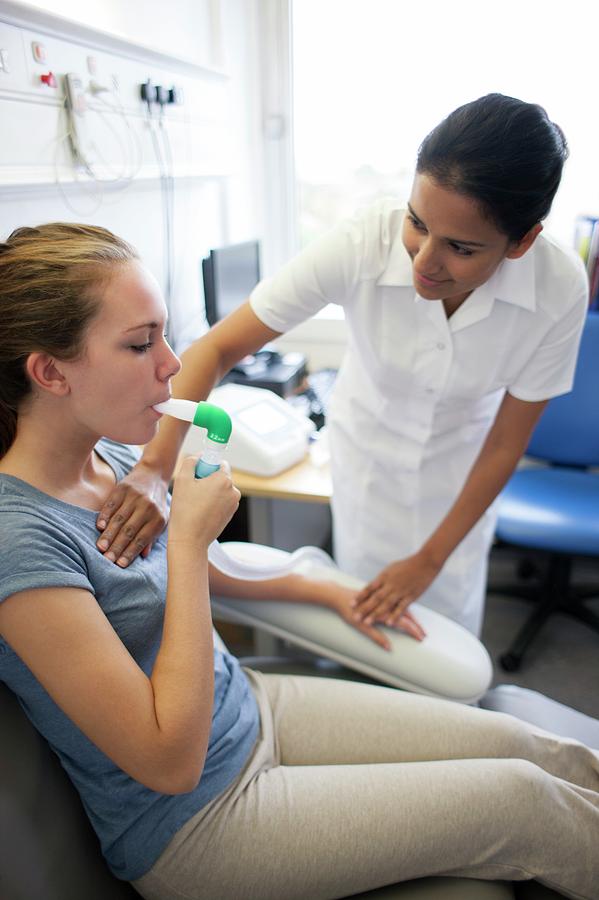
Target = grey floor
(563,662)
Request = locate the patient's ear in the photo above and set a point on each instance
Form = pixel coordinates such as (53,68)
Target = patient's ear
(45,372)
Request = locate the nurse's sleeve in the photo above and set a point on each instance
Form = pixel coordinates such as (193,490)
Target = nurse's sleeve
(325,272)
(550,371)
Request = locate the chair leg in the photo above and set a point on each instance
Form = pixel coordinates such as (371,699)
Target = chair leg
(581,612)
(529,572)
(552,591)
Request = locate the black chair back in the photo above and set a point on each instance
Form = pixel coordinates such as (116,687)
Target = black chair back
(48,849)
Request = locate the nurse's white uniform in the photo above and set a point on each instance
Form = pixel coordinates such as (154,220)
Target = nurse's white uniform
(417,392)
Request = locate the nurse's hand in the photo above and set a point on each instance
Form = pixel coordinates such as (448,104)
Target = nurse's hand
(387,597)
(134,514)
(342,599)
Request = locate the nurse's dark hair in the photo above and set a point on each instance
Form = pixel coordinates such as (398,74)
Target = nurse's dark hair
(504,153)
(51,281)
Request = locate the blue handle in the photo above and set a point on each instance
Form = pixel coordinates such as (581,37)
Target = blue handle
(203,469)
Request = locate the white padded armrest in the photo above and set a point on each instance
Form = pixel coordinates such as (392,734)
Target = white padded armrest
(540,710)
(450,662)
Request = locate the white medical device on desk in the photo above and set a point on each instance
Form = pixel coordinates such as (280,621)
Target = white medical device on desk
(268,434)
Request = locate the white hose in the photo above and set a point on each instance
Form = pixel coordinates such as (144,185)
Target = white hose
(247,571)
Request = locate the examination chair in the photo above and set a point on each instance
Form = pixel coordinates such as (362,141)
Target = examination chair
(450,662)
(553,509)
(48,850)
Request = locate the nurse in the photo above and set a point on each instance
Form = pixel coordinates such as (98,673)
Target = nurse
(464,319)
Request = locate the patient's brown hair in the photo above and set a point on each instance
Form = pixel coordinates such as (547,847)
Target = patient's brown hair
(51,279)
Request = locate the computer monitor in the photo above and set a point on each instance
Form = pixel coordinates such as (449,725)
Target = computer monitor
(230,274)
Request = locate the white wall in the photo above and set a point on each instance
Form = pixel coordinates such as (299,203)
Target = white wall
(228,177)
(214,135)
(146,20)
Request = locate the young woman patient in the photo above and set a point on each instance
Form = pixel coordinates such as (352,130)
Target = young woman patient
(202,779)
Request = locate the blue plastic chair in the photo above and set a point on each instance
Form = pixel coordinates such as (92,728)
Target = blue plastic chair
(555,508)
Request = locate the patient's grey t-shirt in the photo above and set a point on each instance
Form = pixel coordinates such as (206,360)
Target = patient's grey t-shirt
(47,543)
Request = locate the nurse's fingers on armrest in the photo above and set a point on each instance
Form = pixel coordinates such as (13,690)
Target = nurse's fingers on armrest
(406,624)
(378,606)
(411,626)
(374,634)
(394,611)
(339,599)
(364,595)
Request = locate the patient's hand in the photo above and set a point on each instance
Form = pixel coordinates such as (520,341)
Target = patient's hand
(133,516)
(387,597)
(342,600)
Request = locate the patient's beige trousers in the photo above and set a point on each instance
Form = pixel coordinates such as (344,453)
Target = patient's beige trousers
(351,787)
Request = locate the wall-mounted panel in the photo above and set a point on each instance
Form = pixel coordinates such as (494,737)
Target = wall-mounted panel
(135,161)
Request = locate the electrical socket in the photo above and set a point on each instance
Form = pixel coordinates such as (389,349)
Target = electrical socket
(160,95)
(75,94)
(155,93)
(146,92)
(76,105)
(175,95)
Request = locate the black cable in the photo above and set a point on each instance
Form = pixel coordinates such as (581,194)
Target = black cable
(170,194)
(166,222)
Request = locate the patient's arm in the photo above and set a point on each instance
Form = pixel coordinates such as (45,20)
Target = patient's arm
(301,589)
(155,728)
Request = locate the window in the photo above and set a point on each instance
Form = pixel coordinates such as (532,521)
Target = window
(372,77)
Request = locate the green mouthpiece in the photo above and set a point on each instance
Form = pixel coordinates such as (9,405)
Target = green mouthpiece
(215,420)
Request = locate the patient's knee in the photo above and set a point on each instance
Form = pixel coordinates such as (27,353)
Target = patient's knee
(525,790)
(513,738)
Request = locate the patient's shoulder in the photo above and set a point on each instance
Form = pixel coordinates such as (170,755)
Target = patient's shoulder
(24,508)
(42,540)
(122,457)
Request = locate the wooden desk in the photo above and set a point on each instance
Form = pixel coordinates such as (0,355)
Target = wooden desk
(304,482)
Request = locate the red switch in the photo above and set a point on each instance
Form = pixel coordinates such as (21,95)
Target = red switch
(48,79)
